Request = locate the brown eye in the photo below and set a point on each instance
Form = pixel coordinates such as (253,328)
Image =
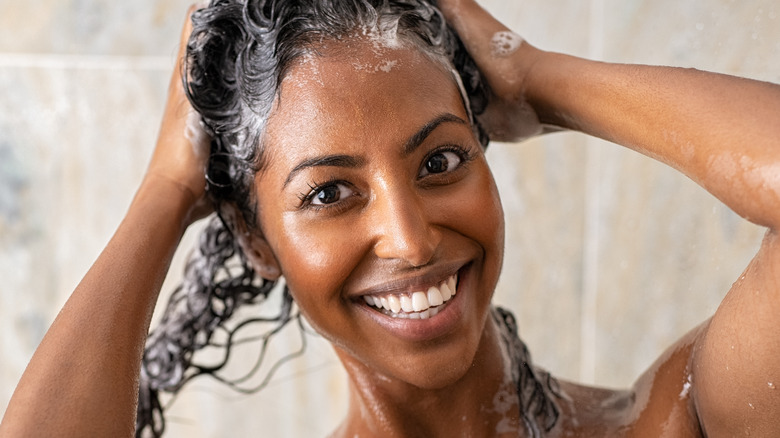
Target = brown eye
(441,162)
(331,194)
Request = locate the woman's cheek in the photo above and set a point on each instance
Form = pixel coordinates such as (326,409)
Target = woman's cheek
(316,257)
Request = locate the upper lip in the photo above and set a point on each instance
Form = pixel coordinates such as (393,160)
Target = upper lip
(419,280)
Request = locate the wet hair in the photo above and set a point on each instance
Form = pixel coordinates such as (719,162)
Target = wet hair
(237,56)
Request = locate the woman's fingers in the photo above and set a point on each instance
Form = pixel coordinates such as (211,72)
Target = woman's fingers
(182,150)
(504,59)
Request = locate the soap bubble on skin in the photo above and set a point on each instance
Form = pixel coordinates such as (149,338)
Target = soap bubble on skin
(386,66)
(686,387)
(504,43)
(195,133)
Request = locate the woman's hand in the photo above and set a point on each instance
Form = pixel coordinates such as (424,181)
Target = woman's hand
(182,150)
(504,59)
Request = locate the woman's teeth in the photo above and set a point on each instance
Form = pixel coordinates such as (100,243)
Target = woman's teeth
(417,305)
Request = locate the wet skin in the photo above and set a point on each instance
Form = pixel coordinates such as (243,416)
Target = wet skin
(351,206)
(379,221)
(355,201)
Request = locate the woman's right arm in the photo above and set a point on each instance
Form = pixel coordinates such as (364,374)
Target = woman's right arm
(83,378)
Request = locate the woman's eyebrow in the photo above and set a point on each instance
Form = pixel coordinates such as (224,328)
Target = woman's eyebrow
(352,162)
(325,160)
(417,139)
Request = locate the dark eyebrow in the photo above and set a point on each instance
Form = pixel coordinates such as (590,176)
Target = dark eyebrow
(352,162)
(325,160)
(417,139)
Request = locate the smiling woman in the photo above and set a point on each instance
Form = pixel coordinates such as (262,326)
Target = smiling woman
(344,160)
(414,277)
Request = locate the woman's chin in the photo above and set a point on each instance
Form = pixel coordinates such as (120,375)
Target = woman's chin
(433,371)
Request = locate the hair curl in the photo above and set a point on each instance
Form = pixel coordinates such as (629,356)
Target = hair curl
(237,55)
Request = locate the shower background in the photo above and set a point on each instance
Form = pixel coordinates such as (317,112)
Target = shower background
(610,256)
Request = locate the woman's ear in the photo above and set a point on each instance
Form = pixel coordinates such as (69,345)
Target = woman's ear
(259,253)
(252,244)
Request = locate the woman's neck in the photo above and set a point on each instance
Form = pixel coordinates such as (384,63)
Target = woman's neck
(483,402)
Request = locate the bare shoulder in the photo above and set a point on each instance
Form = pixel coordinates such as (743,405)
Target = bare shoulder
(736,361)
(719,380)
(659,404)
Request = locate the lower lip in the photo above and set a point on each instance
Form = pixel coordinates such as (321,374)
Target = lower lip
(417,330)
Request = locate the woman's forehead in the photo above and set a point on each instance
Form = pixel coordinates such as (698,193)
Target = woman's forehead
(356,96)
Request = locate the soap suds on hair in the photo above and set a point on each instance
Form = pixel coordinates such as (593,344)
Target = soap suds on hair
(505,43)
(384,33)
(463,94)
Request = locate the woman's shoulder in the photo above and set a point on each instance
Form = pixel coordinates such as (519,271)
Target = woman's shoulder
(659,404)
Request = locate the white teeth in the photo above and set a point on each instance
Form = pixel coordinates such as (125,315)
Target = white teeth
(418,305)
(406,304)
(435,297)
(446,292)
(395,303)
(419,301)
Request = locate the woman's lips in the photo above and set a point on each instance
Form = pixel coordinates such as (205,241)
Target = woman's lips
(421,304)
(427,320)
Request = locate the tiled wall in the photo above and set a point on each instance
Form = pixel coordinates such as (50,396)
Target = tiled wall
(610,256)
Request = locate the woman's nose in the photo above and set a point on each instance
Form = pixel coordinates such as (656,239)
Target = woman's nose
(404,231)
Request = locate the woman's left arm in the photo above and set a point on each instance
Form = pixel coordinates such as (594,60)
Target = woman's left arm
(724,133)
(721,131)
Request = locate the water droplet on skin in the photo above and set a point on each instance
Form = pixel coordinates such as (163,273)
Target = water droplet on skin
(751,406)
(771,385)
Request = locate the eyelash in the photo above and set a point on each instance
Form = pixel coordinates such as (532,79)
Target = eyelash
(315,188)
(465,154)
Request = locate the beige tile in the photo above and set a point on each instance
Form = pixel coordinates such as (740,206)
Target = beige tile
(94,27)
(564,26)
(740,38)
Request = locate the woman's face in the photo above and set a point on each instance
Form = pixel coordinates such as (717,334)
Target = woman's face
(375,191)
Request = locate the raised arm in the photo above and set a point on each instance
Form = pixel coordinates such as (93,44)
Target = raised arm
(83,379)
(721,131)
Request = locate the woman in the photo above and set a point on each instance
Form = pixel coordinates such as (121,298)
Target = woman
(347,225)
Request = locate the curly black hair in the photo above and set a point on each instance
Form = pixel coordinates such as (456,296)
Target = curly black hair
(237,56)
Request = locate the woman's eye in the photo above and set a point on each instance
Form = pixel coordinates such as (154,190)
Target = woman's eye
(441,162)
(330,194)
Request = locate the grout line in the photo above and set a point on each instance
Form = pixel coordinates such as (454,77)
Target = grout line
(85,62)
(590,262)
